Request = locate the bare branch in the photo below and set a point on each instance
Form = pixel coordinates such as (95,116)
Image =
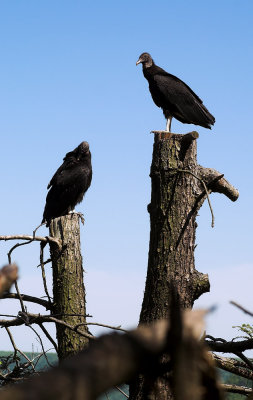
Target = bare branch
(228,347)
(238,351)
(16,283)
(72,328)
(13,344)
(25,318)
(241,308)
(49,260)
(11,322)
(45,239)
(215,181)
(28,298)
(14,247)
(19,297)
(122,392)
(234,366)
(30,362)
(245,359)
(48,336)
(8,315)
(35,230)
(41,343)
(237,389)
(116,328)
(36,359)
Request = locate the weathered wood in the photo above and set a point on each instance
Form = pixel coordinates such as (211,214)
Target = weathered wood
(175,200)
(179,188)
(68,286)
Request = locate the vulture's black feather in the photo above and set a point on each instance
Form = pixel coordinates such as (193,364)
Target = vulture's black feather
(69,183)
(174,97)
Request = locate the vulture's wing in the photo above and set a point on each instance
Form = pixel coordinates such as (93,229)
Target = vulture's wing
(181,99)
(68,164)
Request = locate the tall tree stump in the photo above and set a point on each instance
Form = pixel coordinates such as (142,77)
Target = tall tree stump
(179,188)
(68,287)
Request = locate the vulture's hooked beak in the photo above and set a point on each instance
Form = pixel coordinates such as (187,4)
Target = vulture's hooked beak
(138,62)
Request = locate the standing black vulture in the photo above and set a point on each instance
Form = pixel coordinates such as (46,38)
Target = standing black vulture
(69,183)
(174,97)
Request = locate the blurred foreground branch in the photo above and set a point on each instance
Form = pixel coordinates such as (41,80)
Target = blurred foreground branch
(8,275)
(118,358)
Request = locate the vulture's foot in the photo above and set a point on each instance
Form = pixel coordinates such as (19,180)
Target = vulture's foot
(80,215)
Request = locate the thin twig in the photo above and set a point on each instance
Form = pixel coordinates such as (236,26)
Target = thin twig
(42,346)
(49,337)
(117,328)
(206,190)
(14,247)
(71,315)
(43,271)
(121,391)
(16,283)
(72,328)
(13,345)
(241,308)
(19,297)
(37,358)
(45,262)
(18,350)
(8,315)
(35,230)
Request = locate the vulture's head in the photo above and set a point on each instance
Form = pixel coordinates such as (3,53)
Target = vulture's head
(146,60)
(84,147)
(81,152)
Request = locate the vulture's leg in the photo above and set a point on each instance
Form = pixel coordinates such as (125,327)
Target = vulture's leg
(167,133)
(168,124)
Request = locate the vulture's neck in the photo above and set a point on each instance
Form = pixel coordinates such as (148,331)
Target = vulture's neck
(149,70)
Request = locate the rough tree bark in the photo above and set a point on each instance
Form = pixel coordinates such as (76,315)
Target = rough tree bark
(68,286)
(179,188)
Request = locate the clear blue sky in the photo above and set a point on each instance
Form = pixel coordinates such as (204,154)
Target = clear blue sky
(68,74)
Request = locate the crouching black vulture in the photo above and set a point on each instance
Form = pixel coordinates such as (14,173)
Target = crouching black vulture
(174,97)
(69,184)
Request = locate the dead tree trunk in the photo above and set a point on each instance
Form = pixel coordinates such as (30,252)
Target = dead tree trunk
(179,188)
(68,287)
